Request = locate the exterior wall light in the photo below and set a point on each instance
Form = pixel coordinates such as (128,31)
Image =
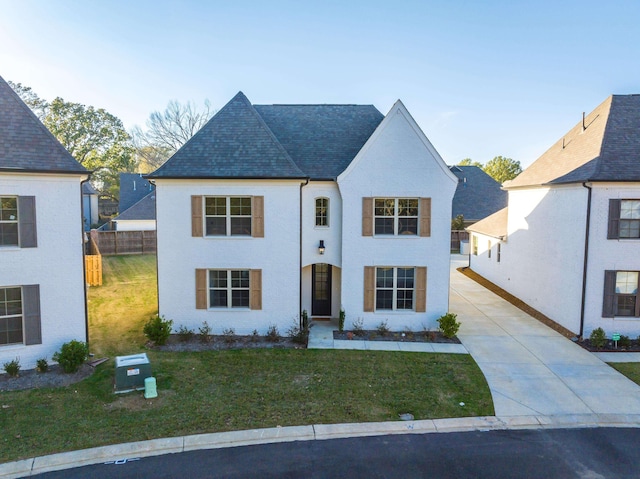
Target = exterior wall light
(321,247)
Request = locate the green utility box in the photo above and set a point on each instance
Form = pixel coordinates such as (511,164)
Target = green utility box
(131,371)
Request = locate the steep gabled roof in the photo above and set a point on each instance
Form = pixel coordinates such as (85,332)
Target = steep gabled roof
(607,149)
(235,143)
(477,195)
(133,187)
(321,139)
(494,225)
(25,143)
(145,209)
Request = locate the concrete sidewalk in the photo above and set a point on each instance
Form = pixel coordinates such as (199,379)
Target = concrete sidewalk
(531,369)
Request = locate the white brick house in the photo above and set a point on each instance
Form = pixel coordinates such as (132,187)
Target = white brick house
(42,302)
(568,244)
(273,209)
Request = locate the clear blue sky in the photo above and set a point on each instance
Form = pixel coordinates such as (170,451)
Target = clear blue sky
(482,78)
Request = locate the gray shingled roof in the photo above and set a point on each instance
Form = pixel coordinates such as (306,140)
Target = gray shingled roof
(145,209)
(477,195)
(607,150)
(274,141)
(133,187)
(494,225)
(88,189)
(25,143)
(235,143)
(321,139)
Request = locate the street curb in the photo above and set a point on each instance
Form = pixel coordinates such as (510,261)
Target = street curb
(156,447)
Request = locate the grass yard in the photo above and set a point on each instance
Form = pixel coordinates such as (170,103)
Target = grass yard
(630,370)
(216,391)
(119,308)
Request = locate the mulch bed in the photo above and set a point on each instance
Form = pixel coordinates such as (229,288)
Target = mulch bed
(55,377)
(610,347)
(176,343)
(402,337)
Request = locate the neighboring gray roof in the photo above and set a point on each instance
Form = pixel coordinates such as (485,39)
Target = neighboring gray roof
(88,189)
(235,143)
(494,225)
(477,195)
(133,187)
(321,139)
(607,150)
(274,141)
(145,209)
(25,143)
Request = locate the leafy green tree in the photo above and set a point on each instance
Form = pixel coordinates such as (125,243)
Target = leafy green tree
(457,224)
(469,162)
(33,101)
(502,169)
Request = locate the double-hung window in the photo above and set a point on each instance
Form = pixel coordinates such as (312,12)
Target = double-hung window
(396,216)
(8,221)
(394,288)
(228,216)
(621,296)
(11,316)
(322,211)
(630,219)
(229,288)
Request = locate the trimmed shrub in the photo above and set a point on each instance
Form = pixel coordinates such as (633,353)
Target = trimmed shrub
(12,368)
(273,335)
(42,366)
(341,319)
(297,334)
(598,338)
(382,328)
(158,329)
(449,325)
(71,356)
(205,332)
(358,327)
(229,335)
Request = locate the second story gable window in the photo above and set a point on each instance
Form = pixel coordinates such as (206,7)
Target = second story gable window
(322,211)
(396,216)
(8,221)
(227,216)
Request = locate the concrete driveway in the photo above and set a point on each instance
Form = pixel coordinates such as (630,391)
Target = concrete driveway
(531,369)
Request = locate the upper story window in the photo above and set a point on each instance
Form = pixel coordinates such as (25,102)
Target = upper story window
(10,316)
(630,219)
(228,216)
(396,216)
(624,219)
(322,211)
(8,221)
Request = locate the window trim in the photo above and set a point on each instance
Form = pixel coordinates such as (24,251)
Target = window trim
(229,289)
(15,221)
(10,316)
(228,216)
(474,245)
(327,211)
(396,216)
(395,290)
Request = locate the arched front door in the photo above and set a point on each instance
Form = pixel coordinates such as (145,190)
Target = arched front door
(321,289)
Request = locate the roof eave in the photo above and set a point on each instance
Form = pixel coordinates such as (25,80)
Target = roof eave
(209,177)
(49,172)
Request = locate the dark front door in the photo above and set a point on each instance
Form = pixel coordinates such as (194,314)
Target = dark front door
(321,289)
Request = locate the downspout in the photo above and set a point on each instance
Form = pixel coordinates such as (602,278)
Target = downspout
(302,185)
(586,257)
(84,266)
(155,208)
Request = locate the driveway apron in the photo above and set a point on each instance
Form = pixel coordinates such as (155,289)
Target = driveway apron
(530,368)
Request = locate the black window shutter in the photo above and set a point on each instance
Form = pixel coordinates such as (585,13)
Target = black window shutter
(27,221)
(31,310)
(609,297)
(613,231)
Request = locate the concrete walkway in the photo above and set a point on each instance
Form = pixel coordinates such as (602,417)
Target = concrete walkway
(531,369)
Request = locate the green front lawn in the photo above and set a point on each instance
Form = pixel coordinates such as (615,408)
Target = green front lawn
(631,370)
(225,390)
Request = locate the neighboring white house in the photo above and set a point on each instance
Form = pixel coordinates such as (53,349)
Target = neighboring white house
(273,209)
(42,290)
(568,244)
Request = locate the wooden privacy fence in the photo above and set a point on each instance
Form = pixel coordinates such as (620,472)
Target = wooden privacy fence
(93,264)
(456,237)
(125,242)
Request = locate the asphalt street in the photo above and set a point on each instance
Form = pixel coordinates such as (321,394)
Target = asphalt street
(549,454)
